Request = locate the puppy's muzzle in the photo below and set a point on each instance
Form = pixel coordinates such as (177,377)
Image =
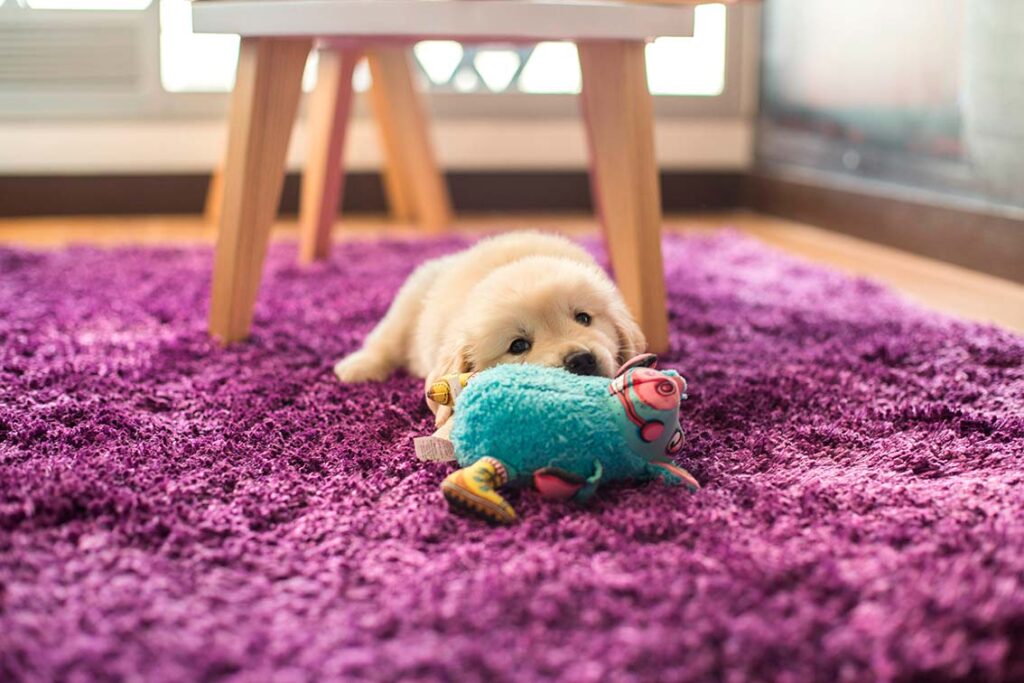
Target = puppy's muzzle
(581,363)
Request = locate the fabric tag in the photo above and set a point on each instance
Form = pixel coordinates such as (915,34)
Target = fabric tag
(434,449)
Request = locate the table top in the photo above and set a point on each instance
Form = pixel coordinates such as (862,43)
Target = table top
(513,20)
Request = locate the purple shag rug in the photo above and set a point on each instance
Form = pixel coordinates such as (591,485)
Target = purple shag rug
(173,511)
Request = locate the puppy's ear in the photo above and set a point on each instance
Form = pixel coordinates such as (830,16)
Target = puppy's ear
(460,360)
(631,340)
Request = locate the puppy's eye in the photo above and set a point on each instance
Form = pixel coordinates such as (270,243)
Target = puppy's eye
(583,318)
(519,346)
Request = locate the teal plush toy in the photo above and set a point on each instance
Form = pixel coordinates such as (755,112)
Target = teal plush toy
(566,434)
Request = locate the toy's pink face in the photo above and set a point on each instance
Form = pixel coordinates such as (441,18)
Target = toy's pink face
(656,389)
(650,399)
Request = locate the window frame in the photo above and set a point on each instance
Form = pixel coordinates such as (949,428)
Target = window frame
(151,101)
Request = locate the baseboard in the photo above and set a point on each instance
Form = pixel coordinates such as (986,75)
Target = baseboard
(471,191)
(986,240)
(983,240)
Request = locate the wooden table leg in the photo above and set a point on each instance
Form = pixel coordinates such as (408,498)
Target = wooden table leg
(214,197)
(323,180)
(414,183)
(263,107)
(619,116)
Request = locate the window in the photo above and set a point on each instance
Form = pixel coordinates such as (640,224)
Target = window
(694,66)
(140,59)
(84,58)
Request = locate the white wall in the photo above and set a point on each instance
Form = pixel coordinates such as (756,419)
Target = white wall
(184,146)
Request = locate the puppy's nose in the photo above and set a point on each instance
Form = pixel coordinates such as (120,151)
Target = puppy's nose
(581,363)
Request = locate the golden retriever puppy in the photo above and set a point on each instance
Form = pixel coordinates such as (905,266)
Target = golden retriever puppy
(524,297)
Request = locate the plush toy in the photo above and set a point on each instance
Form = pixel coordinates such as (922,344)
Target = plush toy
(566,434)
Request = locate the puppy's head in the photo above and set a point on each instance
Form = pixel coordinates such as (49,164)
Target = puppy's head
(544,310)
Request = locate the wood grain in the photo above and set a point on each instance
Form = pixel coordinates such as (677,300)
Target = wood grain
(214,196)
(414,184)
(323,179)
(619,117)
(263,107)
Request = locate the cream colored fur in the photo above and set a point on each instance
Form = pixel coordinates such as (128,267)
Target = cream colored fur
(461,313)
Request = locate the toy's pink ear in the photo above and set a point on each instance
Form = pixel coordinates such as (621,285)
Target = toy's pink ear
(644,360)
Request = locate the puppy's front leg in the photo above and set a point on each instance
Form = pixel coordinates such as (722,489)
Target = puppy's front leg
(442,415)
(387,347)
(368,364)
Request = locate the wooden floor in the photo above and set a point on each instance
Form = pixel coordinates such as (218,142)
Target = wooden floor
(938,285)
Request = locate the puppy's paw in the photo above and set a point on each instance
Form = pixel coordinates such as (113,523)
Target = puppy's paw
(363,366)
(442,416)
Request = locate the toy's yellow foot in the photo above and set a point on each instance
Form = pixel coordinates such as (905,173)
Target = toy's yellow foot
(472,490)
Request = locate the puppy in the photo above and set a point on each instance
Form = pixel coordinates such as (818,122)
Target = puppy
(524,297)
